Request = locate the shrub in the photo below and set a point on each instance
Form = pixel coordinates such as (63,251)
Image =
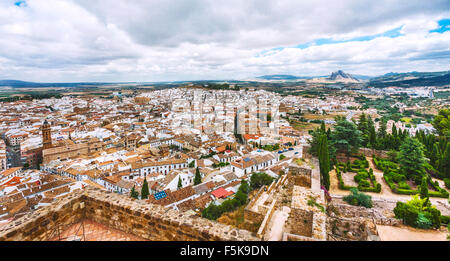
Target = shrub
(442,193)
(445,220)
(435,217)
(364,183)
(407,213)
(407,192)
(423,222)
(258,180)
(447,183)
(378,187)
(358,199)
(396,177)
(403,185)
(360,177)
(390,183)
(418,213)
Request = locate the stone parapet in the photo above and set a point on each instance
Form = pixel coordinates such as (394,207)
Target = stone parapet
(148,221)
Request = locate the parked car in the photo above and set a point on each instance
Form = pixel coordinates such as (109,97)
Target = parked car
(291,148)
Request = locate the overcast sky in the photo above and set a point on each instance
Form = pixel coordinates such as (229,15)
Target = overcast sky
(168,40)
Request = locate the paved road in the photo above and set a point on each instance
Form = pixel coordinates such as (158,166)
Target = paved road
(13,155)
(291,153)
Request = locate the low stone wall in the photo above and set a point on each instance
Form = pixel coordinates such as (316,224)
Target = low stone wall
(255,198)
(252,216)
(305,152)
(41,225)
(292,237)
(370,152)
(152,222)
(300,176)
(267,217)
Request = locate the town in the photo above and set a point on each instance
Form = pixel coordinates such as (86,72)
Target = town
(247,158)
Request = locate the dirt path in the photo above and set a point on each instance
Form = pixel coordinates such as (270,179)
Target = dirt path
(276,225)
(260,201)
(390,233)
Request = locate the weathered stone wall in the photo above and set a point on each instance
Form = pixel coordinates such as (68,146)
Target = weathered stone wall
(343,229)
(41,225)
(301,222)
(305,152)
(370,152)
(152,222)
(252,216)
(300,176)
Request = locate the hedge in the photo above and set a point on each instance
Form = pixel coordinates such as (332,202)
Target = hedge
(393,178)
(360,178)
(407,191)
(441,194)
(341,181)
(445,220)
(447,183)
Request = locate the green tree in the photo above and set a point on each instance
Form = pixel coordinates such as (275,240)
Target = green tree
(424,188)
(192,164)
(364,129)
(382,130)
(357,198)
(441,122)
(258,180)
(134,193)
(324,162)
(444,163)
(346,137)
(144,190)
(180,185)
(411,158)
(198,177)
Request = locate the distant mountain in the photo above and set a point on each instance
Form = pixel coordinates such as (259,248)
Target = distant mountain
(393,76)
(13,83)
(341,76)
(362,77)
(281,77)
(412,79)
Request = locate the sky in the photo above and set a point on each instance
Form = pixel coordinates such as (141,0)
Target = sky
(175,40)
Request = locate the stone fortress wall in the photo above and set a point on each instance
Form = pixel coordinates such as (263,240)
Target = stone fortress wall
(148,221)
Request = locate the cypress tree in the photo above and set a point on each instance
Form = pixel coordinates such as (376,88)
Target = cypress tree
(180,185)
(394,131)
(382,129)
(198,177)
(424,188)
(445,165)
(324,161)
(322,127)
(134,193)
(434,156)
(145,191)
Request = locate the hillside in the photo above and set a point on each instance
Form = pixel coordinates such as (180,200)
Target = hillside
(418,79)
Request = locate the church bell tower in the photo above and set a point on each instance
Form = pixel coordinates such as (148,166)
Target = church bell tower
(46,135)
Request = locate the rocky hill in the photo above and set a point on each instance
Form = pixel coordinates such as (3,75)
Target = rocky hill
(341,76)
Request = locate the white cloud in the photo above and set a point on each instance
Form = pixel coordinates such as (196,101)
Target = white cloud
(114,40)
